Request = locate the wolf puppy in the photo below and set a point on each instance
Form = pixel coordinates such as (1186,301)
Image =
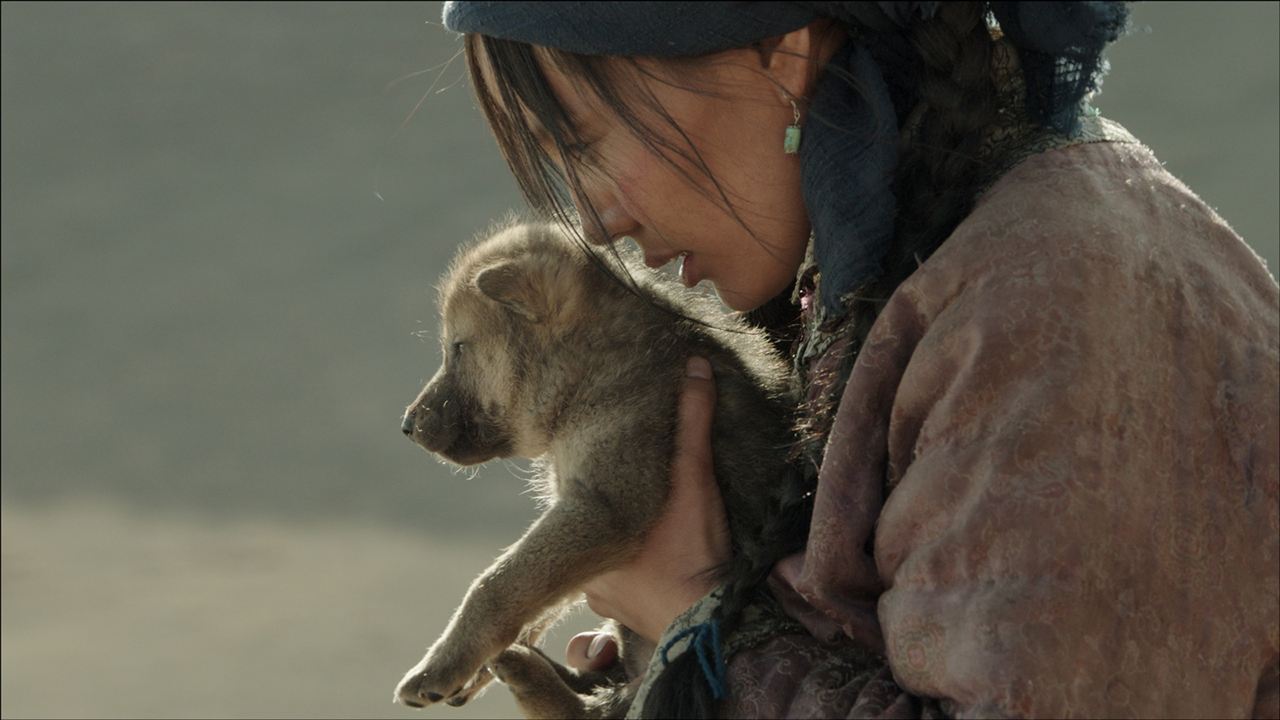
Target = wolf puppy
(546,356)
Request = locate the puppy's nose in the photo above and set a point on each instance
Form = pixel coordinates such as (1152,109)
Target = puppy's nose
(406,424)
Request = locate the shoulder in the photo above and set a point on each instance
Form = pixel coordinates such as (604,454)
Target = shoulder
(1080,270)
(1102,218)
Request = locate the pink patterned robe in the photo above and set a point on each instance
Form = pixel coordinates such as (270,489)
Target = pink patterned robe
(1051,488)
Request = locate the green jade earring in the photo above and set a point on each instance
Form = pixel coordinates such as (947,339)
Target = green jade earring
(791,139)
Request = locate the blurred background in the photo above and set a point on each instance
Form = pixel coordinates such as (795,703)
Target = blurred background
(221,225)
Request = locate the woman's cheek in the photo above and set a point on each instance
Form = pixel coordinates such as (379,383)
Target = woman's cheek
(629,173)
(653,192)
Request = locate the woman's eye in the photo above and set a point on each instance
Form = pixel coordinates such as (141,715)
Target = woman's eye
(578,150)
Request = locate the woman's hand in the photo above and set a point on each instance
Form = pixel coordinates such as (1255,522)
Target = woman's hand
(691,536)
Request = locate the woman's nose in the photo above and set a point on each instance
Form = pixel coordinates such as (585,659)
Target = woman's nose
(603,219)
(614,224)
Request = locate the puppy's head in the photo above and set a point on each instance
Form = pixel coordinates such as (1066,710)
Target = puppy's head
(505,304)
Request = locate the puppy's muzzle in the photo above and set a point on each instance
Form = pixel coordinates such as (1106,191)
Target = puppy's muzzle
(429,427)
(434,418)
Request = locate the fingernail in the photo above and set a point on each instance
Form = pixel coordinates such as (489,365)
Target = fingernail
(597,644)
(698,367)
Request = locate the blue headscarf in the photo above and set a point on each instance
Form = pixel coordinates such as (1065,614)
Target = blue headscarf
(850,147)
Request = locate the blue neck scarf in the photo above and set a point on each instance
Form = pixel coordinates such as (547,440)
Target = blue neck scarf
(850,137)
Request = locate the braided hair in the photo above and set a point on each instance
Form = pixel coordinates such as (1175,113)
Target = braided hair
(939,174)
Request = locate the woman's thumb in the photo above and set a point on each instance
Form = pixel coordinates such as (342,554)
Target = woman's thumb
(696,410)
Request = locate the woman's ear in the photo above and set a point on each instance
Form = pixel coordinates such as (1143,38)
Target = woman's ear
(795,59)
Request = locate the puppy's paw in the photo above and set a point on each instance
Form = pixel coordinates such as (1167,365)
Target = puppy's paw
(538,688)
(473,688)
(519,666)
(432,680)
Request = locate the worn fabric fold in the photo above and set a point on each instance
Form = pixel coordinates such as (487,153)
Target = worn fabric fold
(1052,488)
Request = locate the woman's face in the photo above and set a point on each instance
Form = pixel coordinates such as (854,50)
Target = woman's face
(737,130)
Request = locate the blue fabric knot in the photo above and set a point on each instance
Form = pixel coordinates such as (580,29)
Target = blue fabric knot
(1060,48)
(704,639)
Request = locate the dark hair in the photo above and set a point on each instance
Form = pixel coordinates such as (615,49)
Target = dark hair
(549,186)
(938,175)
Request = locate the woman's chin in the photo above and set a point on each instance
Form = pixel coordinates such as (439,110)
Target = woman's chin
(737,301)
(745,299)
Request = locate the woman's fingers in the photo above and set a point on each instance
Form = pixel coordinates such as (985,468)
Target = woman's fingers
(690,537)
(695,497)
(591,651)
(694,415)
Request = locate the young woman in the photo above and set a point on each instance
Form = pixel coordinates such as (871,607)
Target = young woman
(1040,374)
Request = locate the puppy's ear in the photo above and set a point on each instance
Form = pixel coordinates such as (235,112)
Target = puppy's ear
(512,286)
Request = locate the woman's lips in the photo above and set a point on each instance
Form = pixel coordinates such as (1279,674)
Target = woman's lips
(689,274)
(657,261)
(688,271)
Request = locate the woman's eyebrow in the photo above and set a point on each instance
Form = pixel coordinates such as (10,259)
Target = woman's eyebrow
(539,133)
(530,121)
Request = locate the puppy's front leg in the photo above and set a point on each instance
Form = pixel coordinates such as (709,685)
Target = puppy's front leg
(538,685)
(528,637)
(570,544)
